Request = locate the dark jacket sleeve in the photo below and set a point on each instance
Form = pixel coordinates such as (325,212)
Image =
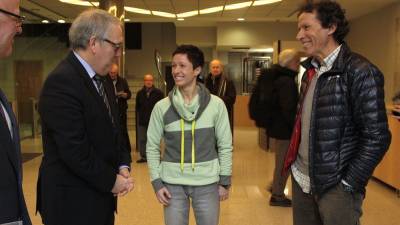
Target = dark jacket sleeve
(369,115)
(126,88)
(230,95)
(61,112)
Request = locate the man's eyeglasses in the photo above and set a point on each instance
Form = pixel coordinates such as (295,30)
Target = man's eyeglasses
(19,19)
(116,46)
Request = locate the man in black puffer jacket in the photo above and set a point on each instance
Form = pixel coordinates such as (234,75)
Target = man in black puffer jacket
(341,122)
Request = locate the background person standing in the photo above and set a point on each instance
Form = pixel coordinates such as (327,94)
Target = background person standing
(122,94)
(146,98)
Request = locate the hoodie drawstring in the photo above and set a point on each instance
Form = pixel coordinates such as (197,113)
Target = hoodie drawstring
(183,144)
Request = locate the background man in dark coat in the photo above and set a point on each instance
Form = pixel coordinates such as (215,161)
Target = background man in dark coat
(122,94)
(146,98)
(218,84)
(12,204)
(278,83)
(85,163)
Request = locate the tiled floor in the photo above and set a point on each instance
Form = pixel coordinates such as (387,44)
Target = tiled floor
(248,203)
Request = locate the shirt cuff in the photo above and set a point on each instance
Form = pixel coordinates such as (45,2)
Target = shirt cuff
(124,166)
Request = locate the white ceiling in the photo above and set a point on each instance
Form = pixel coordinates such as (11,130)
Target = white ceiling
(36,10)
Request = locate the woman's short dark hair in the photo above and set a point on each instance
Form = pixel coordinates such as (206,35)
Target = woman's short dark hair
(193,53)
(329,13)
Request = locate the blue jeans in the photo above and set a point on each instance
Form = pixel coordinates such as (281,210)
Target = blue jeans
(205,203)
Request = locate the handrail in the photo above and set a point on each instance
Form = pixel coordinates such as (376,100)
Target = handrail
(162,83)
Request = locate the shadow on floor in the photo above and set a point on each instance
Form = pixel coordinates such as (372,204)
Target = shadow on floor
(28,156)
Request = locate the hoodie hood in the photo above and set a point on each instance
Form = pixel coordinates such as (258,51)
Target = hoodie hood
(192,111)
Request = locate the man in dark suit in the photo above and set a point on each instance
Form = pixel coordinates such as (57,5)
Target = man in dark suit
(85,164)
(122,94)
(13,209)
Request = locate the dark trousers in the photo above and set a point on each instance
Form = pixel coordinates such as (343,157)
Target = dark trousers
(124,130)
(279,182)
(142,139)
(335,207)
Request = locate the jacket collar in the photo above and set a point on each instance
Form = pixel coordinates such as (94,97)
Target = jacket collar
(339,64)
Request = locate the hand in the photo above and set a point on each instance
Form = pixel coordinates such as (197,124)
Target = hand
(223,193)
(163,196)
(122,185)
(125,172)
(122,94)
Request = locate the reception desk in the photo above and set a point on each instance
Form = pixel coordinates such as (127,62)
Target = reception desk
(388,169)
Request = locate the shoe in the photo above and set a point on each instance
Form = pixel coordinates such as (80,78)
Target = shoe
(141,160)
(280,201)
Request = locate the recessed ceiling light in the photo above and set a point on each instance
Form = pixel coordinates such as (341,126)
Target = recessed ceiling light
(211,10)
(61,21)
(265,2)
(79,2)
(181,19)
(240,19)
(238,5)
(137,10)
(187,14)
(163,14)
(127,20)
(45,21)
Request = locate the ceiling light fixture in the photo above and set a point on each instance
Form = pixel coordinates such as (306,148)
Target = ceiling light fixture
(181,19)
(61,21)
(240,19)
(212,10)
(81,3)
(137,10)
(265,2)
(163,14)
(45,21)
(238,5)
(127,20)
(188,14)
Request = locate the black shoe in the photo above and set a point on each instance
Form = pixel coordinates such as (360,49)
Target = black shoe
(280,201)
(141,160)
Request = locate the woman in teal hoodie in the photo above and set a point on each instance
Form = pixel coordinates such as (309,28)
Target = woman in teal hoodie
(196,164)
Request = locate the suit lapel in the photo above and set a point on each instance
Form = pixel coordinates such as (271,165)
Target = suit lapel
(88,83)
(13,149)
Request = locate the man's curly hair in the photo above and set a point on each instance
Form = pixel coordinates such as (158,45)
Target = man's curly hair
(329,13)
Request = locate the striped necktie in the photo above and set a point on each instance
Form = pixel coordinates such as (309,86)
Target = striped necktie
(100,86)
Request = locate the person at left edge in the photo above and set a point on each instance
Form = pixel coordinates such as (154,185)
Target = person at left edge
(12,204)
(85,163)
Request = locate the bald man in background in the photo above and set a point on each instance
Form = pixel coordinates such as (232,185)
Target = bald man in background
(146,98)
(219,84)
(13,209)
(122,94)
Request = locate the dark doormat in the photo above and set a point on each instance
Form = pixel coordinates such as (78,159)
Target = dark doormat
(28,156)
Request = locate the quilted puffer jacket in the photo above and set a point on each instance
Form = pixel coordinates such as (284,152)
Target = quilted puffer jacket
(348,130)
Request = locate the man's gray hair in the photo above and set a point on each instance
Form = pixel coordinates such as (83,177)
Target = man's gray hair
(286,56)
(90,23)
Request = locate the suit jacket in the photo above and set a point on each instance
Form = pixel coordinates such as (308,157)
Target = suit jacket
(82,149)
(12,202)
(121,85)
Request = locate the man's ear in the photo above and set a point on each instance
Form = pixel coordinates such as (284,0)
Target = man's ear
(332,29)
(92,44)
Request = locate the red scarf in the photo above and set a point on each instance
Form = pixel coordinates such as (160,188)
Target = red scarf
(291,154)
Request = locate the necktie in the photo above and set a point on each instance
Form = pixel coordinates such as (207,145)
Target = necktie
(291,154)
(99,82)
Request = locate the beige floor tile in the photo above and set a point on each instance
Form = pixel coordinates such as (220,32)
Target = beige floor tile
(248,203)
